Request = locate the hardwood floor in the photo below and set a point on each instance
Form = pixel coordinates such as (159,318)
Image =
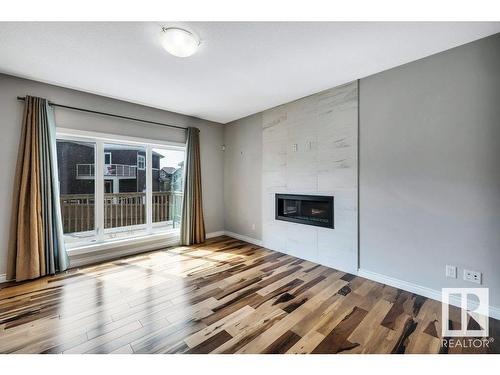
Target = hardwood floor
(224,296)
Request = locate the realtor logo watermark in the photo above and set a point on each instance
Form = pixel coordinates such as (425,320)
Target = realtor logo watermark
(474,308)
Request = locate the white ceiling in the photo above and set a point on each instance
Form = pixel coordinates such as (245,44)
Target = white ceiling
(241,68)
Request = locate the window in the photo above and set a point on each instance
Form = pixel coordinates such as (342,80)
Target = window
(167,182)
(138,192)
(76,167)
(107,158)
(125,205)
(141,162)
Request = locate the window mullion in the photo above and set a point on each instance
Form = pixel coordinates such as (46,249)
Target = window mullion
(149,188)
(99,190)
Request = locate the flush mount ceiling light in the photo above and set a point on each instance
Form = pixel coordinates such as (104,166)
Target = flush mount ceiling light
(179,42)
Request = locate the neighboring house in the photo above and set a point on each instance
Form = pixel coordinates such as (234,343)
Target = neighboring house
(171,178)
(177,178)
(166,178)
(124,168)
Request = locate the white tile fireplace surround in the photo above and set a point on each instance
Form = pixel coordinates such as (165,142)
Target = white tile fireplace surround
(310,147)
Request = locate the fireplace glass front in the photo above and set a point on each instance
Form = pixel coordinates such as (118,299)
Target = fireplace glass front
(305,209)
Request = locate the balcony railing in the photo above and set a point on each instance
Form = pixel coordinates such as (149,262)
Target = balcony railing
(111,170)
(120,210)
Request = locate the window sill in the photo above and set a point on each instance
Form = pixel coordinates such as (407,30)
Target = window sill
(114,244)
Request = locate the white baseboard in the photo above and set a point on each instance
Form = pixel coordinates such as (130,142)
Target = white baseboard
(244,238)
(400,284)
(215,234)
(417,289)
(234,235)
(3,278)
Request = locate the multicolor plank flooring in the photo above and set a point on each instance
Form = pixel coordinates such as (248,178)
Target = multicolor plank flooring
(224,296)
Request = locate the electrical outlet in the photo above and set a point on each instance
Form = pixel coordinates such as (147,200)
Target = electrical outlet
(295,147)
(472,276)
(451,271)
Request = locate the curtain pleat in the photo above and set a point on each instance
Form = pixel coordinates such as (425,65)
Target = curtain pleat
(192,222)
(36,245)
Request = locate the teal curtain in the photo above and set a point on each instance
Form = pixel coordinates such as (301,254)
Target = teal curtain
(56,258)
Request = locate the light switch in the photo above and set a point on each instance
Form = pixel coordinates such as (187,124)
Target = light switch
(451,271)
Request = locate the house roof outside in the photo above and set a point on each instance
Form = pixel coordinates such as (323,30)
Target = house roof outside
(169,170)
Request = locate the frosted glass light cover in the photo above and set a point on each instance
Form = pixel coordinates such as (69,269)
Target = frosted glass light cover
(179,42)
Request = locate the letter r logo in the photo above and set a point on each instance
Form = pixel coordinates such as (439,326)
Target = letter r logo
(473,319)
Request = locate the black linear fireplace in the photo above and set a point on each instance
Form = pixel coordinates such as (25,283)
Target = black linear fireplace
(314,210)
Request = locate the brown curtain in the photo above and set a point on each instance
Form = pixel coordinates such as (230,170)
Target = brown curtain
(36,246)
(192,223)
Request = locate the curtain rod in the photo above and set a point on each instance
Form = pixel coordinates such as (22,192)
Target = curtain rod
(109,114)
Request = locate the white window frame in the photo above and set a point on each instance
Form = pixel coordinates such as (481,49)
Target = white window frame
(99,139)
(141,158)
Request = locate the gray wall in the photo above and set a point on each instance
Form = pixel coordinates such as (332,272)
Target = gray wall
(243,176)
(430,168)
(212,157)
